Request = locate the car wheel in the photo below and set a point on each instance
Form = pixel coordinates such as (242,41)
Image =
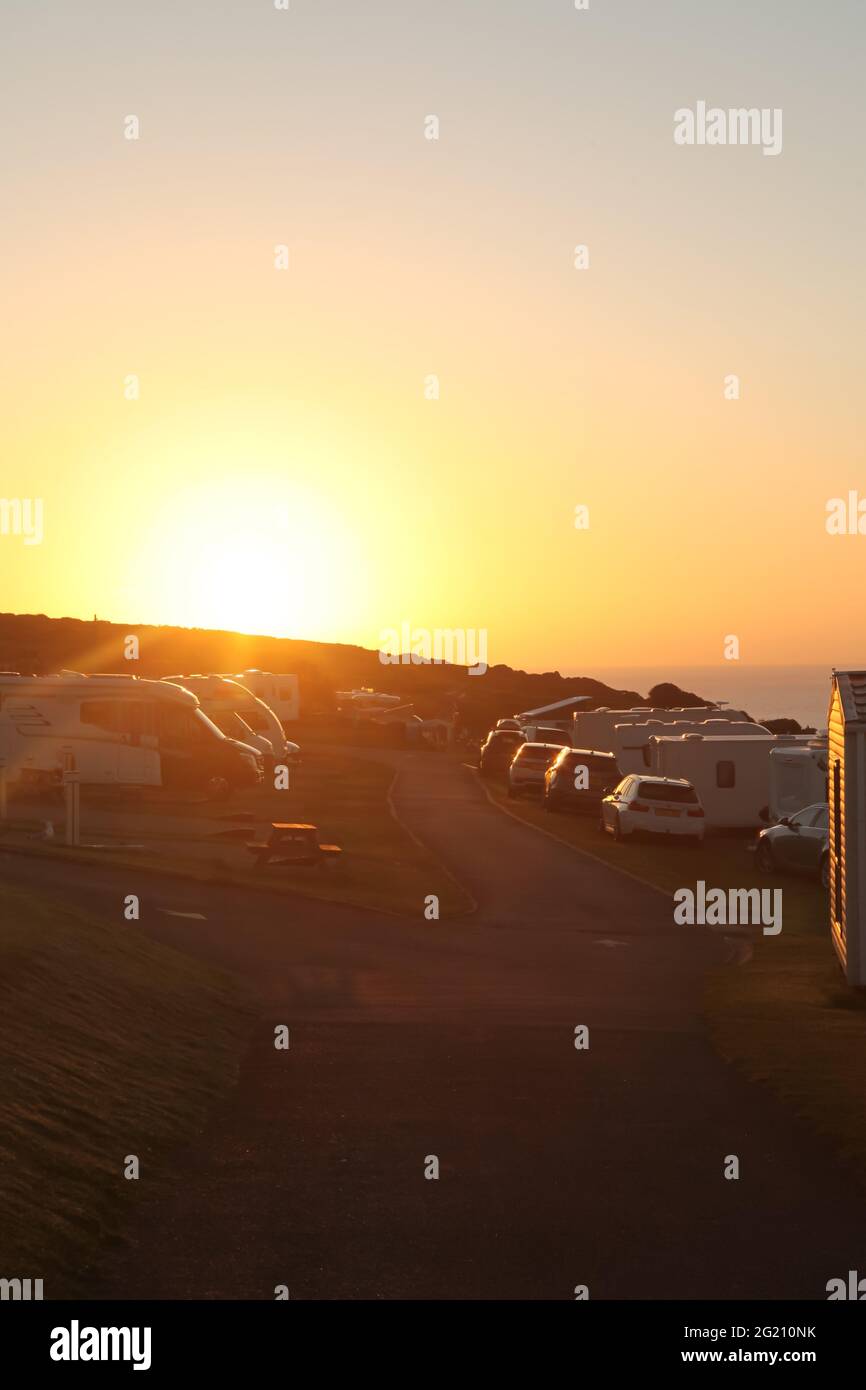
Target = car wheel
(825,871)
(764,858)
(550,805)
(617,830)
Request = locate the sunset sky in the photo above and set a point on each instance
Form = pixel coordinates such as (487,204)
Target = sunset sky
(282,471)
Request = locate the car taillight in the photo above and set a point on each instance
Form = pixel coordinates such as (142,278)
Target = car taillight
(638,806)
(698,812)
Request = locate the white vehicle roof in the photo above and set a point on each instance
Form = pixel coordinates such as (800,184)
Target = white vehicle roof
(75,682)
(532,715)
(663,781)
(777,740)
(213,685)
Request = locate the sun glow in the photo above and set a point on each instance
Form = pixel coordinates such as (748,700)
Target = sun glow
(252,555)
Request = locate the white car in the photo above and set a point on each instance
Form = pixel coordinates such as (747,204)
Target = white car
(528,766)
(655,806)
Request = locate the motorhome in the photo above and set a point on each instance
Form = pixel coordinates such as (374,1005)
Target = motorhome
(594,728)
(730,775)
(798,777)
(279,693)
(631,741)
(240,714)
(116,730)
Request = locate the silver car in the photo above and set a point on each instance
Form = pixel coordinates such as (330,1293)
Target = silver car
(797,844)
(528,766)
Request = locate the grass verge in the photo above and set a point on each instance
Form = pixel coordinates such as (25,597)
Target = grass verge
(381,868)
(110,1045)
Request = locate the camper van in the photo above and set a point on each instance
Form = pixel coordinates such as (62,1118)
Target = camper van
(117,730)
(730,775)
(279,693)
(240,715)
(594,728)
(798,777)
(631,741)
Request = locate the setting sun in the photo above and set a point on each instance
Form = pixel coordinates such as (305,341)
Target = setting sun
(250,555)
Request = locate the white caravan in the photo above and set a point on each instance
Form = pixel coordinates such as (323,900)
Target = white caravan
(730,775)
(239,714)
(279,693)
(631,741)
(798,777)
(116,730)
(594,728)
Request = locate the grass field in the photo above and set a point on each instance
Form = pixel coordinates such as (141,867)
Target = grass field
(110,1045)
(381,867)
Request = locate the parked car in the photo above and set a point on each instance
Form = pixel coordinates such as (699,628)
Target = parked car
(508,724)
(655,806)
(800,843)
(528,766)
(564,779)
(497,750)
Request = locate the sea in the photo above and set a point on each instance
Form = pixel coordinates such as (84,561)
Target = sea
(764,692)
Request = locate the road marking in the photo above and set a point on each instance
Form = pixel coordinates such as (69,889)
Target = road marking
(172,912)
(610,943)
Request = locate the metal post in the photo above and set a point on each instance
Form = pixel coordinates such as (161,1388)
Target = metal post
(73,799)
(73,809)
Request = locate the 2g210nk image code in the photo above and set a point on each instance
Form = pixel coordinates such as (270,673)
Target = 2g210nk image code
(714,1334)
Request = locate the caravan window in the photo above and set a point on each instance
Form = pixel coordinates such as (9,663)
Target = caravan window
(99,712)
(726,774)
(135,717)
(176,726)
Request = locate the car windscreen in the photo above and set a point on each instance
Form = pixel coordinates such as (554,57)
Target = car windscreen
(206,727)
(671,791)
(230,723)
(528,754)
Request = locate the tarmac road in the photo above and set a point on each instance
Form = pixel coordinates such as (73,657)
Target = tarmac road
(410,1038)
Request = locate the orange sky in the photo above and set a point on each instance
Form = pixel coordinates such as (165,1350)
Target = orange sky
(283,472)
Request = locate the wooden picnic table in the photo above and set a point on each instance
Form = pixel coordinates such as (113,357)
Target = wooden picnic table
(298,836)
(293,830)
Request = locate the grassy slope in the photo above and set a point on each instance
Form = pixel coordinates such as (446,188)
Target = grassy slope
(785,1016)
(109,1045)
(347,798)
